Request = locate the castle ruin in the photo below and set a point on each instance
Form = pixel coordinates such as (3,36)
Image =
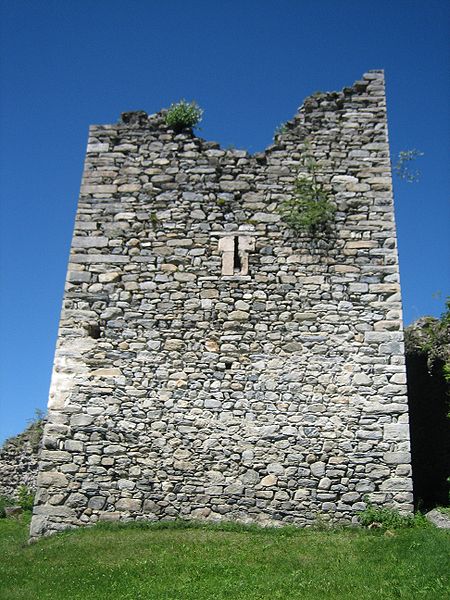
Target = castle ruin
(211,362)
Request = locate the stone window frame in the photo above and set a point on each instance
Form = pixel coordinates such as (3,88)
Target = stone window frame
(235,247)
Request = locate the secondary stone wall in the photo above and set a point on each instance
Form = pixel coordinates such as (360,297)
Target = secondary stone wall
(19,461)
(272,396)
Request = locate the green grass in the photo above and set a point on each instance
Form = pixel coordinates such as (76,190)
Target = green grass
(179,562)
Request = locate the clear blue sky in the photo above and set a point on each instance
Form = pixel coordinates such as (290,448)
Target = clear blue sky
(66,64)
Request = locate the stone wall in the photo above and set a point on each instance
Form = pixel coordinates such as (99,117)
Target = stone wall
(19,461)
(272,395)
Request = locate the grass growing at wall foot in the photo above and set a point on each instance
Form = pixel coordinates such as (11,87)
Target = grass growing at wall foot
(191,562)
(386,518)
(5,501)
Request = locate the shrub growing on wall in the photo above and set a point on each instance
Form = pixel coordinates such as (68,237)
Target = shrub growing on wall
(431,337)
(183,115)
(309,208)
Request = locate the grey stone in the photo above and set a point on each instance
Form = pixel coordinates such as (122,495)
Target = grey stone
(238,315)
(76,500)
(396,431)
(13,511)
(292,347)
(97,502)
(89,242)
(173,344)
(111,313)
(318,469)
(51,478)
(81,420)
(438,518)
(268,480)
(78,277)
(397,457)
(266,217)
(250,477)
(129,504)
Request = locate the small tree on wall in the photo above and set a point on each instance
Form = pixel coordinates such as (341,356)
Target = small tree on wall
(309,209)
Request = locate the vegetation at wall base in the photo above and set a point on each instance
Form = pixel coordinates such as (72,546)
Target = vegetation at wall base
(183,115)
(5,501)
(386,518)
(25,500)
(173,561)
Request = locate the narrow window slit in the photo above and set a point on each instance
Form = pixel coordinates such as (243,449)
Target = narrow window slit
(237,259)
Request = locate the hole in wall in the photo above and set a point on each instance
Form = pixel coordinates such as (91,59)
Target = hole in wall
(430,432)
(94,331)
(236,257)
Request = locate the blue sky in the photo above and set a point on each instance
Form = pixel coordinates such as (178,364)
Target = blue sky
(67,64)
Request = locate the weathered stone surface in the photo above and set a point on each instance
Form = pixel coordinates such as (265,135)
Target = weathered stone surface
(238,315)
(396,431)
(89,242)
(211,362)
(268,480)
(51,479)
(78,277)
(397,457)
(13,511)
(129,504)
(292,347)
(76,500)
(99,189)
(19,457)
(106,372)
(81,420)
(438,518)
(174,344)
(97,502)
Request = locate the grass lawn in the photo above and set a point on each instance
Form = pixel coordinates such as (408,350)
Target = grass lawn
(178,562)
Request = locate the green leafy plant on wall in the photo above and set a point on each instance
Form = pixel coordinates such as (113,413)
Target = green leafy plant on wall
(432,338)
(281,129)
(183,115)
(154,220)
(309,208)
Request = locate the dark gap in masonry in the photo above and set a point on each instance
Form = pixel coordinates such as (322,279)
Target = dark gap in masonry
(94,331)
(430,432)
(237,259)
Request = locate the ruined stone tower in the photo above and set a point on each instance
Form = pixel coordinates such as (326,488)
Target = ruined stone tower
(212,363)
